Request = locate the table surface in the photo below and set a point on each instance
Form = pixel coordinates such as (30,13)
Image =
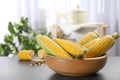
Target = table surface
(12,69)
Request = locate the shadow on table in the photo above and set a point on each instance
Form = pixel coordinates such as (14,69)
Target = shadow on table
(96,76)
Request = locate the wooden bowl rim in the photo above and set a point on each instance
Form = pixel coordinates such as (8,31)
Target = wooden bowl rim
(86,59)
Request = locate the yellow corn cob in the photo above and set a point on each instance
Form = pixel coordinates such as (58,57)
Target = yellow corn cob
(74,49)
(87,45)
(51,47)
(25,54)
(88,37)
(100,47)
(42,53)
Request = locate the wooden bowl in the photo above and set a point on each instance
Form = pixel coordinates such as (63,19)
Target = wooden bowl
(75,67)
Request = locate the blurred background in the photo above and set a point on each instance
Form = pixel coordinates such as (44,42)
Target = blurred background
(44,13)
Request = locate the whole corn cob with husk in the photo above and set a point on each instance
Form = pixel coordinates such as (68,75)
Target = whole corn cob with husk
(51,47)
(74,49)
(101,46)
(25,54)
(88,37)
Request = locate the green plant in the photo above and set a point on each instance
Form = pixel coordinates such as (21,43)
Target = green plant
(21,37)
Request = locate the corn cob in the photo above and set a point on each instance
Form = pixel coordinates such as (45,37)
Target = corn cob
(51,47)
(42,53)
(87,45)
(99,48)
(88,37)
(25,54)
(74,49)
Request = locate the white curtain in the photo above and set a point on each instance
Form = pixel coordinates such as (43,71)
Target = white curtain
(13,10)
(29,9)
(111,13)
(7,13)
(43,13)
